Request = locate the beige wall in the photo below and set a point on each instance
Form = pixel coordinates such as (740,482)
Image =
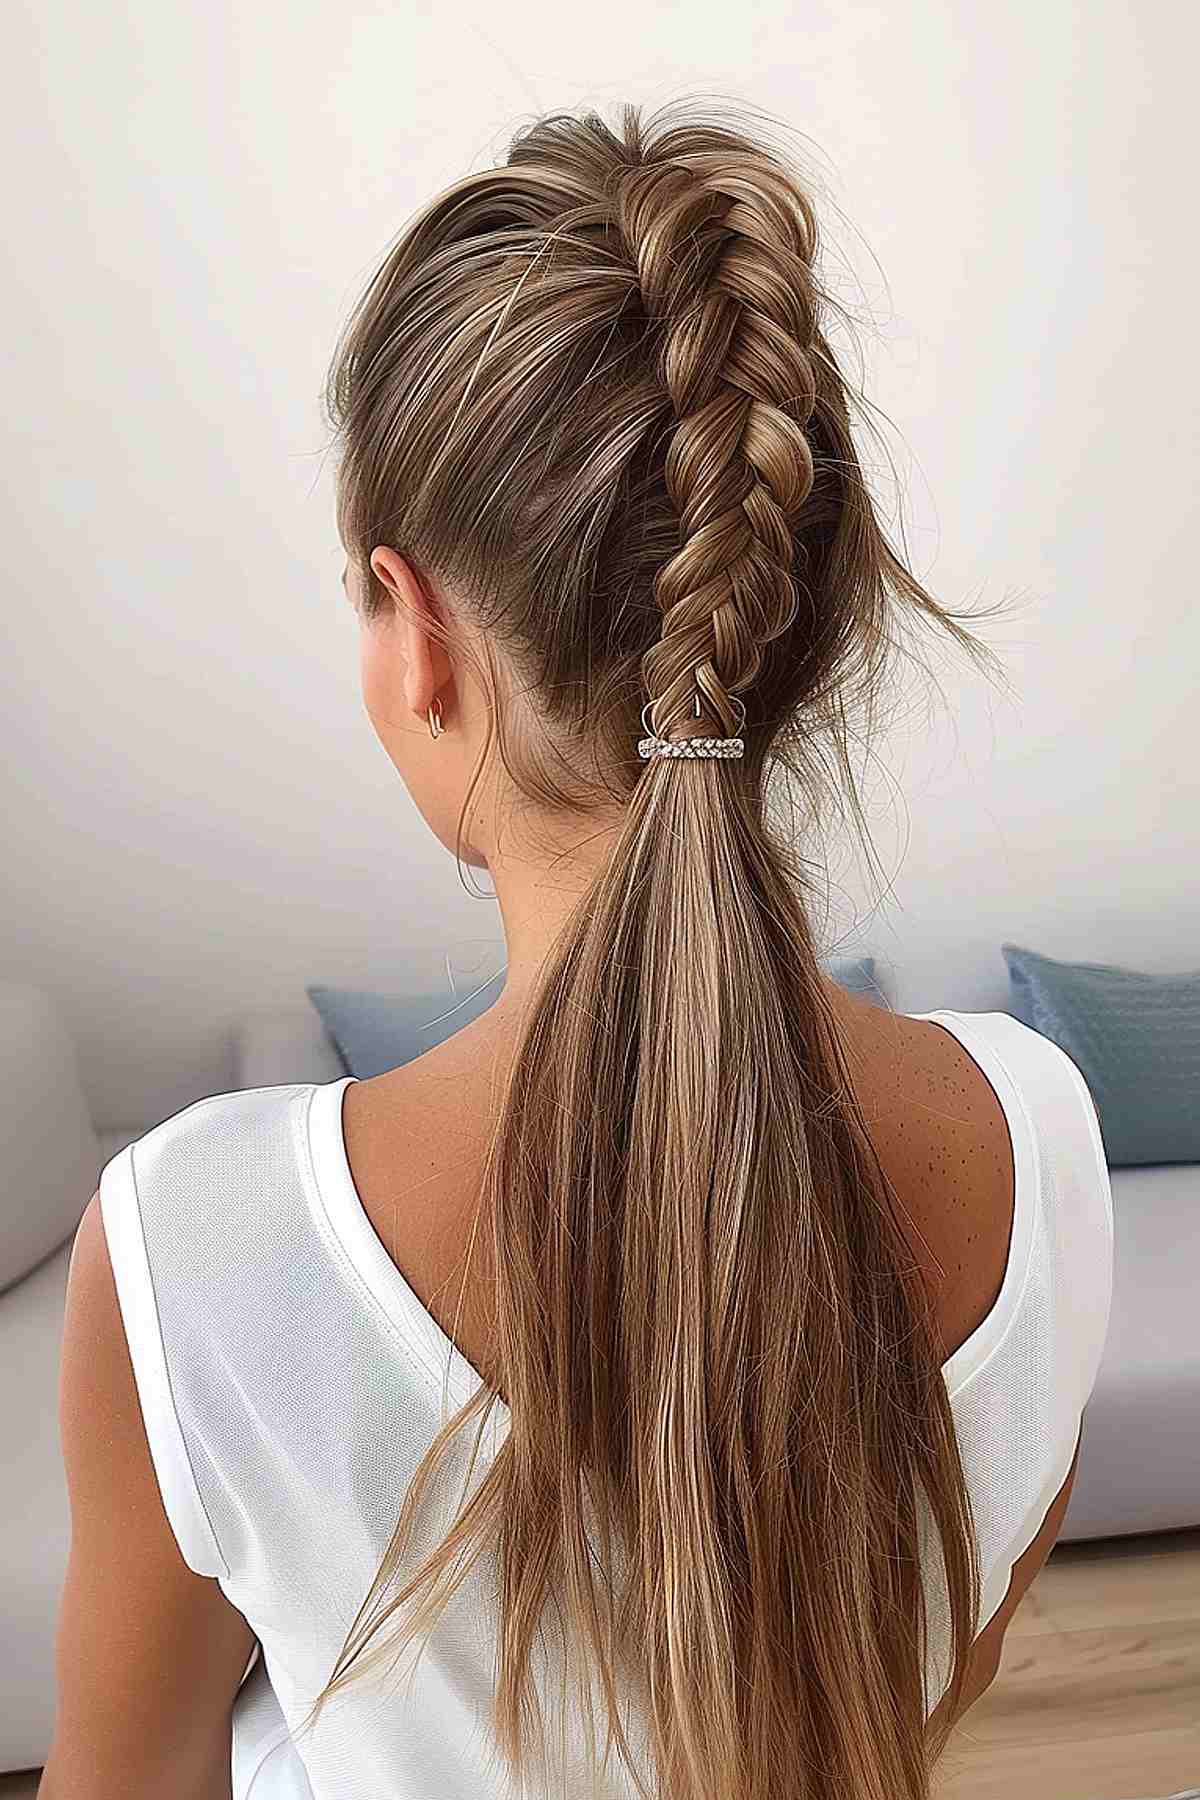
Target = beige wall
(198,818)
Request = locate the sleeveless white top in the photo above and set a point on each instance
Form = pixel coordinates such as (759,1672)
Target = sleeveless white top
(290,1380)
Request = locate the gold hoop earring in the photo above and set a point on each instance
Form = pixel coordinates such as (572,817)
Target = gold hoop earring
(434,714)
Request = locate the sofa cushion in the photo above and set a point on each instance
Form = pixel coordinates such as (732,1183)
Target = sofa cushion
(48,1149)
(1139,1469)
(273,1046)
(36,1533)
(1134,1038)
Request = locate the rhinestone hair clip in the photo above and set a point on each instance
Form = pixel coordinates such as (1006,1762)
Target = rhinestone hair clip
(697,746)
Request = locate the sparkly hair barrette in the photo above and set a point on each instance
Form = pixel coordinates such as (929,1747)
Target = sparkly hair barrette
(697,746)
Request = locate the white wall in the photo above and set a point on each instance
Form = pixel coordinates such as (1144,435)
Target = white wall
(198,817)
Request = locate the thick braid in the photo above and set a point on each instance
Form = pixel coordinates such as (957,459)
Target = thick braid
(723,247)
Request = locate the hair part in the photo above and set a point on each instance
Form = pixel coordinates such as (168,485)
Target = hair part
(591,392)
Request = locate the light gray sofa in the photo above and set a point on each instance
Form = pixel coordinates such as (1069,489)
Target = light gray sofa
(1139,1469)
(51,1157)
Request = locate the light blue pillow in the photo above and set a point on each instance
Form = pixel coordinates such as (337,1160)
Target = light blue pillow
(857,975)
(1134,1038)
(374,1032)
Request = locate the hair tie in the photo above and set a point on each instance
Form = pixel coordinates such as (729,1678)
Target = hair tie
(696,746)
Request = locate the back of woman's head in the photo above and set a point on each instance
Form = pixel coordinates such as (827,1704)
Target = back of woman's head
(591,393)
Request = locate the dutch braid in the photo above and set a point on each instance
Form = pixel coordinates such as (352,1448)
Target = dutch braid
(736,365)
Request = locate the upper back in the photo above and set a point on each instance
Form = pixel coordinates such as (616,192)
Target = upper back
(416,1139)
(289,1264)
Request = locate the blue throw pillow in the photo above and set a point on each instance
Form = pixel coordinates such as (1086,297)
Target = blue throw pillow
(857,975)
(1134,1038)
(374,1032)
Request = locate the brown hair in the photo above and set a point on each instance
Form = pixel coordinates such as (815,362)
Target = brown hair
(590,391)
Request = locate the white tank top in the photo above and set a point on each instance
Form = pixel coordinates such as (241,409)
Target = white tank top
(290,1380)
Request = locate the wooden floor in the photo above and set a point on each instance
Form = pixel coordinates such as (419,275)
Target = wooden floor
(1098,1695)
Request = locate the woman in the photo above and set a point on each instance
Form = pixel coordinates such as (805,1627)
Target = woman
(671,1383)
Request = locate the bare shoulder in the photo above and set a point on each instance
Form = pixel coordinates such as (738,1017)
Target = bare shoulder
(919,1076)
(941,1135)
(416,1141)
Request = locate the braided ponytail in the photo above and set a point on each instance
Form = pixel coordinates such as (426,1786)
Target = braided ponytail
(721,243)
(590,392)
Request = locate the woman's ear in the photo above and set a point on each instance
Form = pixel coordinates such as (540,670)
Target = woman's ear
(426,667)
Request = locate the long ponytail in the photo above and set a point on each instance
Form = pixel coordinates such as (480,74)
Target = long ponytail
(729,1435)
